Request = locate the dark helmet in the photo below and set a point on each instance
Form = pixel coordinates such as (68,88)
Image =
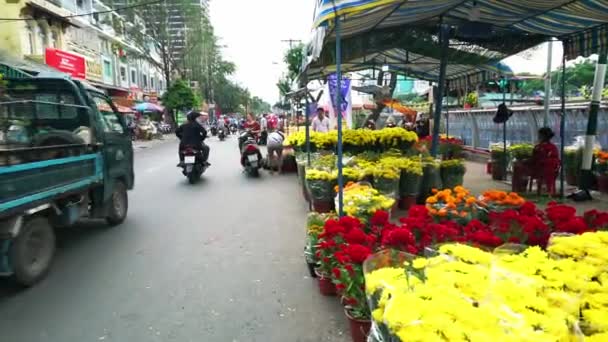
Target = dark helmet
(193,115)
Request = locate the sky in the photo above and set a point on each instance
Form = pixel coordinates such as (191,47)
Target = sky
(253,35)
(253,32)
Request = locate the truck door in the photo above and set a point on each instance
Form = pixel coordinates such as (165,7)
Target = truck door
(117,146)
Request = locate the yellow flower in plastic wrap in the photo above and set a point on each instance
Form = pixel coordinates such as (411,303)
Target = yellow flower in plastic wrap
(419,263)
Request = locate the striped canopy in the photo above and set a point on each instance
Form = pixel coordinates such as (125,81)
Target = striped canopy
(411,52)
(582,24)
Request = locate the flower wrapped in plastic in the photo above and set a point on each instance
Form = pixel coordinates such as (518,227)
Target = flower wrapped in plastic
(452,173)
(431,178)
(320,184)
(386,180)
(466,294)
(521,151)
(361,200)
(314,227)
(395,137)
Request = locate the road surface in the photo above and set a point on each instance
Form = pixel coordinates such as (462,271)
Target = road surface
(217,261)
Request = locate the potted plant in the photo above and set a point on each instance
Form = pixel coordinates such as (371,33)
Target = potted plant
(431,178)
(314,227)
(319,184)
(572,163)
(520,153)
(452,173)
(500,160)
(601,167)
(409,182)
(471,100)
(386,180)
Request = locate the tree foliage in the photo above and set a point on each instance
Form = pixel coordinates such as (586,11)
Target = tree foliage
(579,78)
(180,97)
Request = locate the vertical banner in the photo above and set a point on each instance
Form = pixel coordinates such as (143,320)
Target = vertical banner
(346,107)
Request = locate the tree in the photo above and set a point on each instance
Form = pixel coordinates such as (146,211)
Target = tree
(180,97)
(259,106)
(157,37)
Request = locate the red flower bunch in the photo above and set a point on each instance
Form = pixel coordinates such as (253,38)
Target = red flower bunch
(596,219)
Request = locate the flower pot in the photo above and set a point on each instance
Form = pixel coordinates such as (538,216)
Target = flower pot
(322,206)
(359,328)
(405,202)
(498,171)
(602,183)
(326,286)
(519,183)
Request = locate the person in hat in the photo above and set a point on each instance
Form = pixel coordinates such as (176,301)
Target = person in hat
(192,133)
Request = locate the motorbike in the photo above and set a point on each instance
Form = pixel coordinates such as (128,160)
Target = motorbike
(221,133)
(165,128)
(193,166)
(251,156)
(145,129)
(233,129)
(213,130)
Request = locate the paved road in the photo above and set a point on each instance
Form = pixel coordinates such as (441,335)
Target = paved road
(217,261)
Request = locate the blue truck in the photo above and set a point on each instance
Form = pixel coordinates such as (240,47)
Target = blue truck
(65,154)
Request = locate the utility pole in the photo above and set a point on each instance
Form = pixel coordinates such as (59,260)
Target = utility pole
(291,42)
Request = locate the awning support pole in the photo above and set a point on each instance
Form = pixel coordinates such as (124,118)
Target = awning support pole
(307,128)
(562,127)
(338,112)
(444,39)
(548,85)
(447,109)
(504,130)
(596,96)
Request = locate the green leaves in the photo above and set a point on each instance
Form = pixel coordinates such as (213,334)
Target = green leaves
(179,96)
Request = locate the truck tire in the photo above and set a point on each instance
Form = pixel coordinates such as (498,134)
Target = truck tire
(119,204)
(32,251)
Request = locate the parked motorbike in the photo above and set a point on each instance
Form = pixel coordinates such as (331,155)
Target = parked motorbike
(193,166)
(233,129)
(164,128)
(221,133)
(251,157)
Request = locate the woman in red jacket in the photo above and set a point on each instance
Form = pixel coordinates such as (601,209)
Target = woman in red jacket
(545,162)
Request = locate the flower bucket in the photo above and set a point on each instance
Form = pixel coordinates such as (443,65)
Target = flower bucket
(498,170)
(519,183)
(489,167)
(602,183)
(405,202)
(326,286)
(311,269)
(359,329)
(322,206)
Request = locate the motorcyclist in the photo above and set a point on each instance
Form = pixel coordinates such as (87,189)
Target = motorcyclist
(192,133)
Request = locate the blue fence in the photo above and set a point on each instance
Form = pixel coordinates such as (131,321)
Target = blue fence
(476,128)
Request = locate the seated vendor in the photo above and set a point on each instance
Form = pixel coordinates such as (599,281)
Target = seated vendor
(544,164)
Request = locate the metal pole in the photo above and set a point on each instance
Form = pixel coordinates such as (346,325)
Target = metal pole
(307,128)
(562,128)
(444,31)
(596,96)
(548,85)
(339,116)
(504,130)
(447,109)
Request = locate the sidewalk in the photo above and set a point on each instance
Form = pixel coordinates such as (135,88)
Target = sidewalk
(139,145)
(477,181)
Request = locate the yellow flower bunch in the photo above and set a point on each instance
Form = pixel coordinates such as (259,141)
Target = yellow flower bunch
(316,174)
(386,172)
(358,137)
(351,173)
(394,136)
(361,200)
(466,294)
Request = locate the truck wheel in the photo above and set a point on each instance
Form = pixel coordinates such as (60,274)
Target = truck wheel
(32,251)
(119,204)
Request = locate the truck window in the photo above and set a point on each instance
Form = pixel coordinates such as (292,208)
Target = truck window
(109,118)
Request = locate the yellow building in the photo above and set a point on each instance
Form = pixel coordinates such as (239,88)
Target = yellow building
(42,24)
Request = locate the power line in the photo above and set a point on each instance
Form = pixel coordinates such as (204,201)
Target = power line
(91,13)
(291,41)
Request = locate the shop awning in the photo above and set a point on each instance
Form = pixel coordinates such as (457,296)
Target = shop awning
(498,25)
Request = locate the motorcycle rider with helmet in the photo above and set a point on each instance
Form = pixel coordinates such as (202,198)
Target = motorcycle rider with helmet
(192,133)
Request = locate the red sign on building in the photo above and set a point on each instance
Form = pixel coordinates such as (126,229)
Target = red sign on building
(66,62)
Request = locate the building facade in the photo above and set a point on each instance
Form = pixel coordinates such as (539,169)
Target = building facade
(93,47)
